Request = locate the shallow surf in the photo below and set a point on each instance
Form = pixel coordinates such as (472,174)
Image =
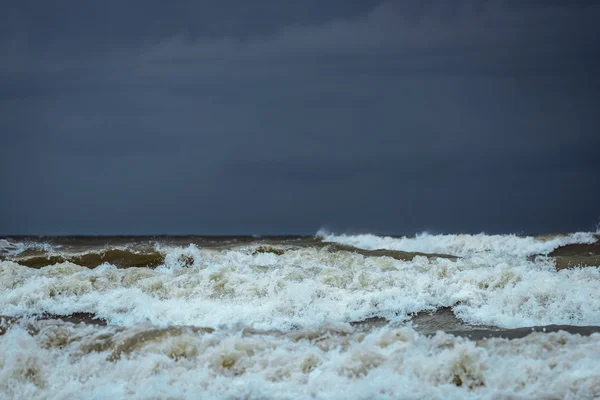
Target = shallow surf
(329,316)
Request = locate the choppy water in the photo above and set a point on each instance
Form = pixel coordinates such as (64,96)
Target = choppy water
(330,316)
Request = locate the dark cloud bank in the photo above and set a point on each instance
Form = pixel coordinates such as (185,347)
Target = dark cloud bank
(282,117)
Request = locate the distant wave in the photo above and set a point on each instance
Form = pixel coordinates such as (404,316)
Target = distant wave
(122,258)
(463,244)
(14,247)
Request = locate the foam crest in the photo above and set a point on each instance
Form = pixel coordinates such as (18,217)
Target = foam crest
(306,287)
(67,361)
(462,245)
(12,248)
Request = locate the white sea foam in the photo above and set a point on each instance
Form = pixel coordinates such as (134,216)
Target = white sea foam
(12,248)
(306,287)
(80,362)
(461,245)
(306,295)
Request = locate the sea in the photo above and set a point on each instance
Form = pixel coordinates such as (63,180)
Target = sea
(328,316)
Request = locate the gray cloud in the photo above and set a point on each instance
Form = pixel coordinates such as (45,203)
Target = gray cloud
(227,118)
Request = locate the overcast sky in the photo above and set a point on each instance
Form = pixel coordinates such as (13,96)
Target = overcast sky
(256,117)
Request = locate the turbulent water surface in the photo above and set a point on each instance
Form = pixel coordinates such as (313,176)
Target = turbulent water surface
(330,316)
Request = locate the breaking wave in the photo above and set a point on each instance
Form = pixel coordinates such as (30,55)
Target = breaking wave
(62,360)
(13,247)
(304,287)
(463,245)
(122,258)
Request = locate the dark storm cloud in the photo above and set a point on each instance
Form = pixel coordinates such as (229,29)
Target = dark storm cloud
(250,117)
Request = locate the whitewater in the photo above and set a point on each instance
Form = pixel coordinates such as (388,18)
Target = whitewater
(329,316)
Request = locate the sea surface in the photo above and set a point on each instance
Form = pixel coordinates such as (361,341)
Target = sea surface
(301,317)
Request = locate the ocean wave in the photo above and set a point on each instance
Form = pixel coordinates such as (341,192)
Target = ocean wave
(62,360)
(123,258)
(9,248)
(463,245)
(304,287)
(181,256)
